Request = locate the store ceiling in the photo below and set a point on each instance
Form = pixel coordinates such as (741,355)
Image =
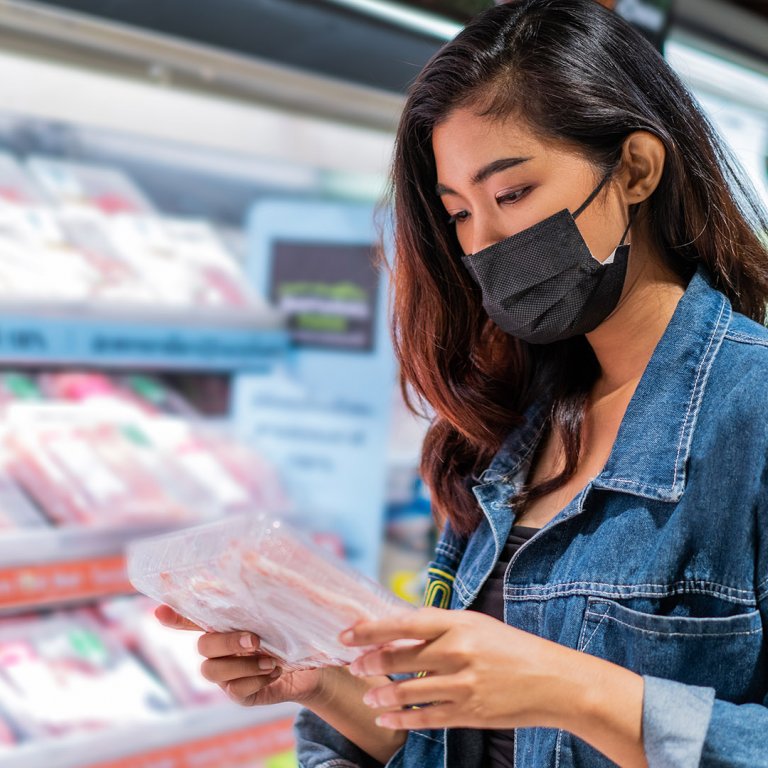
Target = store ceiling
(463,9)
(334,38)
(457,9)
(757,6)
(319,36)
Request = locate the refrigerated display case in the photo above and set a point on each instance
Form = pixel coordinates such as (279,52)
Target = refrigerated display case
(129,163)
(133,164)
(735,97)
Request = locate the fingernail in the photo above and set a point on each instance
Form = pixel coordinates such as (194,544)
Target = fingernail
(348,636)
(246,641)
(265,664)
(383,721)
(369,699)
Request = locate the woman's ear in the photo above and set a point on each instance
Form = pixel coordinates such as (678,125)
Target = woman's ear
(643,156)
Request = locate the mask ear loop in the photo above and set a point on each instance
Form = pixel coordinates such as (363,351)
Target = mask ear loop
(632,213)
(593,195)
(632,208)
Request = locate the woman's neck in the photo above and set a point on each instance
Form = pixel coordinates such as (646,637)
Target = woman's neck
(625,341)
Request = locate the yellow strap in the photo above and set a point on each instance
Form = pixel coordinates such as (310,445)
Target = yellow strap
(438,595)
(444,574)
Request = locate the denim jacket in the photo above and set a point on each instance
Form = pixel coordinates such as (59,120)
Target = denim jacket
(659,565)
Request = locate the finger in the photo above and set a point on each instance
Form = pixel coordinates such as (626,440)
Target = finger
(446,689)
(234,667)
(424,624)
(214,645)
(169,618)
(436,716)
(435,657)
(245,688)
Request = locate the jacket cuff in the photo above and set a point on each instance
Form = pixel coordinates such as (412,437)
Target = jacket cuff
(318,745)
(675,722)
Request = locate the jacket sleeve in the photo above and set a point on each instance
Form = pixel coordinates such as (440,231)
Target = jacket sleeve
(318,745)
(685,726)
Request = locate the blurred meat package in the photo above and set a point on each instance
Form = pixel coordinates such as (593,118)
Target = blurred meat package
(256,572)
(110,461)
(173,655)
(88,474)
(62,674)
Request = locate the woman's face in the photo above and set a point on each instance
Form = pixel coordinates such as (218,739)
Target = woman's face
(495,178)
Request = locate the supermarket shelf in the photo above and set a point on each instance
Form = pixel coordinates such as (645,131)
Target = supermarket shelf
(221,736)
(167,340)
(48,567)
(35,586)
(48,545)
(93,41)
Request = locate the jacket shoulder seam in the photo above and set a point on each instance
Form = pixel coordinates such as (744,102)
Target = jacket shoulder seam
(746,338)
(448,549)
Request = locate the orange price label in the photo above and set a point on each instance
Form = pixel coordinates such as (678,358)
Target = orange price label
(233,749)
(50,583)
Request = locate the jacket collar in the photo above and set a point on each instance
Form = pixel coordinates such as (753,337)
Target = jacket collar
(650,455)
(511,461)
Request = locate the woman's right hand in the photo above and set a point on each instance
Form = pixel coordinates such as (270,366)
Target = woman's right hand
(247,675)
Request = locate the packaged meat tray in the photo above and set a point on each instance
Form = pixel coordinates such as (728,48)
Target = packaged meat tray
(256,572)
(38,262)
(16,186)
(117,282)
(173,655)
(16,510)
(101,187)
(90,474)
(64,674)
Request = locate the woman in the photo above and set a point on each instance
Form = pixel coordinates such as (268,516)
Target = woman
(576,269)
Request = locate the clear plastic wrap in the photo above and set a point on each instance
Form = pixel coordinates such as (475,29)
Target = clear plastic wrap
(257,573)
(16,509)
(117,280)
(64,674)
(110,463)
(16,185)
(171,654)
(92,186)
(91,474)
(38,261)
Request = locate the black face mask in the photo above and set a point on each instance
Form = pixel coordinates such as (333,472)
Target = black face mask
(543,284)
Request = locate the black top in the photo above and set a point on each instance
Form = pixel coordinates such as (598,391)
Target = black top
(500,744)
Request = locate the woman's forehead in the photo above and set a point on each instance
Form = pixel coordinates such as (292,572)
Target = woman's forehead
(465,142)
(510,131)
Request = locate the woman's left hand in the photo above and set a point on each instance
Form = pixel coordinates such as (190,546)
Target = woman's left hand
(480,672)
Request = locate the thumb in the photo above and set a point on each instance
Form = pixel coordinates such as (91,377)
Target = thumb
(169,618)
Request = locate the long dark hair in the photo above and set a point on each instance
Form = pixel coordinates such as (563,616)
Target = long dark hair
(577,73)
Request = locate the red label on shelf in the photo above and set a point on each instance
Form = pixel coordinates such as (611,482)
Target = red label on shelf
(225,750)
(49,583)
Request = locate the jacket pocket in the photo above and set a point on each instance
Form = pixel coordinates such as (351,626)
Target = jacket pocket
(724,653)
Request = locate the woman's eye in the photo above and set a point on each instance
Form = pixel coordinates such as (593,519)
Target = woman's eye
(508,198)
(513,197)
(457,217)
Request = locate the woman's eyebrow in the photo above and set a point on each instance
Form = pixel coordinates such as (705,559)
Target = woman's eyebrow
(496,166)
